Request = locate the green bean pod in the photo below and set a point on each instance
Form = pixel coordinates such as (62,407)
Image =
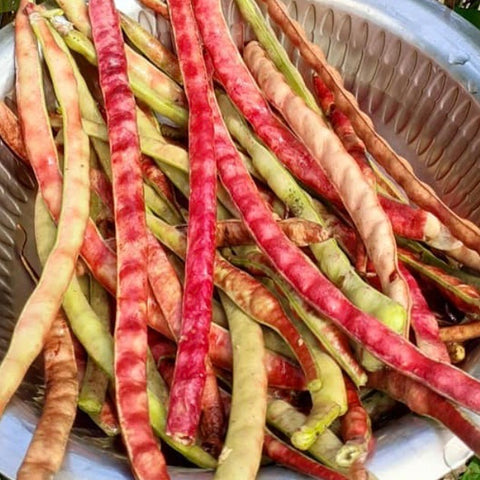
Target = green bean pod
(241,454)
(276,51)
(151,47)
(95,381)
(285,418)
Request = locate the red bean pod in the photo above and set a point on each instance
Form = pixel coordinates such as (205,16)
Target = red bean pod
(190,368)
(424,323)
(132,246)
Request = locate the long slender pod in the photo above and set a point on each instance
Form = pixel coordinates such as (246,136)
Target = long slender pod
(424,323)
(301,232)
(165,285)
(464,296)
(132,246)
(157,6)
(358,196)
(77,12)
(212,421)
(157,180)
(83,320)
(240,459)
(328,402)
(41,308)
(152,48)
(460,333)
(60,406)
(356,430)
(285,418)
(398,167)
(95,381)
(189,376)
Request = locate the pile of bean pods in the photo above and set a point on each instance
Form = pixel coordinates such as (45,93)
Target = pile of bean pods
(226,269)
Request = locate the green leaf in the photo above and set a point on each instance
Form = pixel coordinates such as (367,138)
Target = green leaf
(472,15)
(8,5)
(473,470)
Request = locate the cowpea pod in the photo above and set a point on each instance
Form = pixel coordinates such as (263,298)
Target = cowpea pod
(157,6)
(286,455)
(152,48)
(233,232)
(356,431)
(106,419)
(41,308)
(159,206)
(328,402)
(10,132)
(159,182)
(428,257)
(424,323)
(240,459)
(130,345)
(465,297)
(95,381)
(76,11)
(185,401)
(60,405)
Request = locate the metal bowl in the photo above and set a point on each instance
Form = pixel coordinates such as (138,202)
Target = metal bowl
(415,68)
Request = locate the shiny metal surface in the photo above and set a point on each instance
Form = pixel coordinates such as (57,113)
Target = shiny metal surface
(415,67)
